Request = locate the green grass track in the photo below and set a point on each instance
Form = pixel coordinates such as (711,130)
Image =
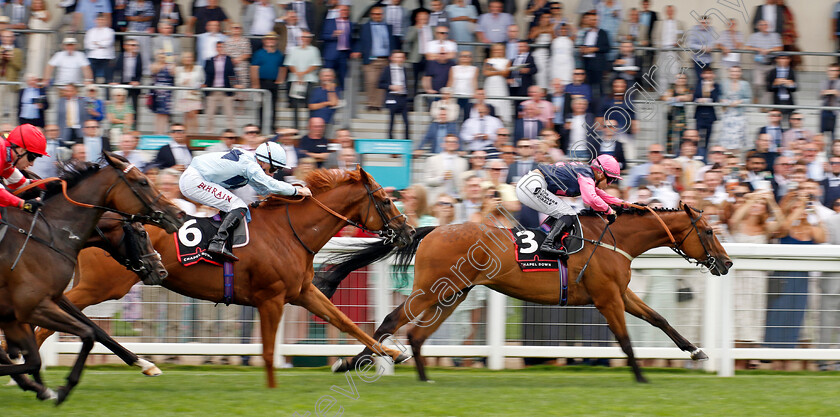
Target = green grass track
(204,391)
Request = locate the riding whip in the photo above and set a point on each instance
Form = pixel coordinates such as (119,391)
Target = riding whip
(28,235)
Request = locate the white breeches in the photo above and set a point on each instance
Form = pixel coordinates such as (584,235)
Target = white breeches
(196,188)
(532,190)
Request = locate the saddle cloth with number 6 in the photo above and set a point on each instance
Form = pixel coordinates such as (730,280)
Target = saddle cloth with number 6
(192,238)
(528,242)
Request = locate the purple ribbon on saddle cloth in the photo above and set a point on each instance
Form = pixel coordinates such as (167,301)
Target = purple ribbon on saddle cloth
(564,282)
(228,274)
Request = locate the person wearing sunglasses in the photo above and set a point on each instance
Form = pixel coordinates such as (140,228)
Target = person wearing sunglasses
(210,177)
(18,151)
(542,188)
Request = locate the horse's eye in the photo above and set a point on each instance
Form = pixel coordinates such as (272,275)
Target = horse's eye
(710,232)
(144,183)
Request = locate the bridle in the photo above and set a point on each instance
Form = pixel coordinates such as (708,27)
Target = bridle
(133,260)
(677,247)
(387,232)
(154,216)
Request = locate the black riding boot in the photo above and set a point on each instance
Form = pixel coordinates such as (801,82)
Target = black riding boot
(218,245)
(549,244)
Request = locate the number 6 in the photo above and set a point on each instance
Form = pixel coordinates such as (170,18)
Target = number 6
(189,236)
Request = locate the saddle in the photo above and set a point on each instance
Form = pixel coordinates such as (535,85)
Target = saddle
(192,238)
(528,241)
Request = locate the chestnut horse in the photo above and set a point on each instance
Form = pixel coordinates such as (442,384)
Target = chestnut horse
(483,255)
(31,291)
(276,267)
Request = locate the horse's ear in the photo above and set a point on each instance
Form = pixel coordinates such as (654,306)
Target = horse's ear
(364,175)
(112,160)
(687,209)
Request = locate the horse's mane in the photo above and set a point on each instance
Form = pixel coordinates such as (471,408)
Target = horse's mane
(71,172)
(629,210)
(319,181)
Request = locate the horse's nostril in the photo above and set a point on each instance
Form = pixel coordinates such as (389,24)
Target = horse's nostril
(163,273)
(728,264)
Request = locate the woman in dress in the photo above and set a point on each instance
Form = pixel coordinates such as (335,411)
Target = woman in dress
(496,71)
(562,54)
(752,223)
(120,111)
(189,101)
(38,44)
(163,74)
(677,96)
(463,81)
(542,35)
(735,91)
(238,49)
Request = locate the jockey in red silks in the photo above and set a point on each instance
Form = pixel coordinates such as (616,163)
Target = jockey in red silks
(18,151)
(540,189)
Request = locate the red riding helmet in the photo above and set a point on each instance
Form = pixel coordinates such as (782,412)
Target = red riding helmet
(30,138)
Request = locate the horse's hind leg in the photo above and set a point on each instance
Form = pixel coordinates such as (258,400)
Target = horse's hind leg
(48,314)
(315,301)
(635,306)
(19,336)
(412,308)
(611,305)
(417,335)
(127,356)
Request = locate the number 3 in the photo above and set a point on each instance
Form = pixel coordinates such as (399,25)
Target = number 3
(189,236)
(527,238)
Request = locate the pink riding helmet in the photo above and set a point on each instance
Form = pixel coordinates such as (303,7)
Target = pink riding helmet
(608,165)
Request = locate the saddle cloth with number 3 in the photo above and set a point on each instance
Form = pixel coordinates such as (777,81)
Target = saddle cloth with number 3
(192,238)
(528,242)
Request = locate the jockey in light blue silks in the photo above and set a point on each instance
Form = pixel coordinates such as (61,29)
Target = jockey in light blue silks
(210,176)
(539,190)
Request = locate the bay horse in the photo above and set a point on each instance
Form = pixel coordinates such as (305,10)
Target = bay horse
(32,292)
(128,244)
(276,267)
(484,255)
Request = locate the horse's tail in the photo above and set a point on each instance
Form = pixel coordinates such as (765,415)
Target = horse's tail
(337,268)
(404,254)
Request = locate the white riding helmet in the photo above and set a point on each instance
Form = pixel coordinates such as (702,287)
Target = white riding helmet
(272,153)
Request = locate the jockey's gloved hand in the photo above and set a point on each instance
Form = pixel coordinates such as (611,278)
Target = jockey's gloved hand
(31,205)
(611,217)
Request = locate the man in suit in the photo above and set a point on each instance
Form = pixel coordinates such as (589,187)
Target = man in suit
(32,103)
(70,110)
(771,13)
(522,72)
(667,34)
(562,102)
(306,15)
(393,80)
(169,11)
(439,129)
(205,44)
(774,129)
(529,125)
(445,168)
(218,72)
(525,163)
(175,153)
(707,91)
(93,140)
(417,37)
(338,43)
(648,19)
(781,82)
(376,44)
(594,49)
(127,68)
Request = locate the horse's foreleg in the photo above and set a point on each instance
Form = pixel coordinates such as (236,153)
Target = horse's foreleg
(635,306)
(271,311)
(20,338)
(419,334)
(315,301)
(611,305)
(49,314)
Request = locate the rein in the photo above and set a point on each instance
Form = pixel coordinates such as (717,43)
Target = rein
(677,246)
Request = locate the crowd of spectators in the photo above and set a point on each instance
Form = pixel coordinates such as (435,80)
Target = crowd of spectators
(569,70)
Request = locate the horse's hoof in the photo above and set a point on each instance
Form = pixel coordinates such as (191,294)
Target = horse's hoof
(11,383)
(340,365)
(149,369)
(699,355)
(402,358)
(63,393)
(47,394)
(430,381)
